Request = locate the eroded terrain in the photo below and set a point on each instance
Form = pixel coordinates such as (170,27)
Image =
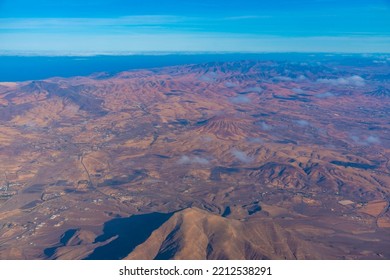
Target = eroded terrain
(240,160)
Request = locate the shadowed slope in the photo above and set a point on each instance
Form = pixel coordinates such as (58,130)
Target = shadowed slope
(197,234)
(129,233)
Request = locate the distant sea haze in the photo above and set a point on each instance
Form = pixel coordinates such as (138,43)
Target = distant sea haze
(24,68)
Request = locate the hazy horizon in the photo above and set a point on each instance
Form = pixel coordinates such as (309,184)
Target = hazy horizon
(17,68)
(99,27)
(87,54)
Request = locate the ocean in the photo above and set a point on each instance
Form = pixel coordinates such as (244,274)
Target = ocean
(23,68)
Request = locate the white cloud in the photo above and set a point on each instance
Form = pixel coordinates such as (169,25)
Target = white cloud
(325,95)
(241,156)
(193,160)
(302,123)
(355,80)
(255,89)
(230,84)
(298,90)
(247,17)
(373,139)
(265,126)
(240,99)
(283,78)
(366,141)
(66,23)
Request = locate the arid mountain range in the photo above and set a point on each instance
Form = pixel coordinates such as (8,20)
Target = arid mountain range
(222,160)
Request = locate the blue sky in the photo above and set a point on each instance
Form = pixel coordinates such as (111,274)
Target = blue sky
(120,26)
